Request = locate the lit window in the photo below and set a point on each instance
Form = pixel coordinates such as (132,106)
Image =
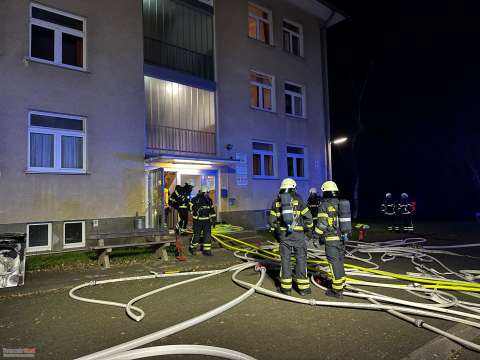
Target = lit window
(294,100)
(74,234)
(39,237)
(296,161)
(57,37)
(262,91)
(263,160)
(56,143)
(260,24)
(292,38)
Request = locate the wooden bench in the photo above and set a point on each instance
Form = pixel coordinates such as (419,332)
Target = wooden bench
(103,250)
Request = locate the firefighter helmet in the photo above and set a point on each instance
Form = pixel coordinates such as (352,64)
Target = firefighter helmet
(404,196)
(329,186)
(204,189)
(312,190)
(190,182)
(288,183)
(388,195)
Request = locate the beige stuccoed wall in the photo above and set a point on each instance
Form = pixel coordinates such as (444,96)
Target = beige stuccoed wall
(238,124)
(110,95)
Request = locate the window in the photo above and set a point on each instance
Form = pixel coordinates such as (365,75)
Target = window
(56,143)
(292,38)
(74,234)
(296,161)
(39,237)
(294,100)
(260,24)
(57,37)
(263,160)
(262,91)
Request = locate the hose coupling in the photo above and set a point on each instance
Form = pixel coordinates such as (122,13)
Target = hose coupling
(92,283)
(419,323)
(312,302)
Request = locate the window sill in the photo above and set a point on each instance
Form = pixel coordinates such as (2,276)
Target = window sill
(261,42)
(295,116)
(264,110)
(28,60)
(299,57)
(264,178)
(39,172)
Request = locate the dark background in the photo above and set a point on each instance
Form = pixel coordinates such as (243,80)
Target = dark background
(419,127)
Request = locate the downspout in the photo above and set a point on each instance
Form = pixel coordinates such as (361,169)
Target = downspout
(326,98)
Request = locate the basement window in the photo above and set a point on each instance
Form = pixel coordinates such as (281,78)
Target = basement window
(39,237)
(57,37)
(73,234)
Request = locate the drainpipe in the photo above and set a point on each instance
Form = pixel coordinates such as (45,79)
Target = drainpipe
(326,98)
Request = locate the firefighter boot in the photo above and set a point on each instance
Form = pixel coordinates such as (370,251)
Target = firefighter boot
(333,293)
(207,252)
(192,250)
(285,291)
(305,292)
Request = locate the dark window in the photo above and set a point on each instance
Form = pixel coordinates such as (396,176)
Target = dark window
(288,104)
(262,146)
(72,50)
(295,150)
(300,171)
(290,166)
(73,233)
(43,43)
(38,235)
(268,161)
(56,122)
(55,18)
(257,164)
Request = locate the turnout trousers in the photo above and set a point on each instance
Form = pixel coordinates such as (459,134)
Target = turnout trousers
(202,230)
(182,219)
(297,248)
(335,251)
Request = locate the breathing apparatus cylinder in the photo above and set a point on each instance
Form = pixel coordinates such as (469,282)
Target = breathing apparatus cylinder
(287,209)
(344,216)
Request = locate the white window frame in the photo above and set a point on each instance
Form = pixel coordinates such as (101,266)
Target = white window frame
(39,248)
(59,29)
(260,87)
(292,34)
(295,157)
(74,245)
(262,154)
(259,19)
(295,94)
(57,143)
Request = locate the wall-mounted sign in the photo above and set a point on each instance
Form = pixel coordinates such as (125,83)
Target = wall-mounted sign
(241,170)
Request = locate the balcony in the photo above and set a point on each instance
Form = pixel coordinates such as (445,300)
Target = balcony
(165,139)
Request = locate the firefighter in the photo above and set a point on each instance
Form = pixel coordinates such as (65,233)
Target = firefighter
(335,226)
(313,202)
(289,219)
(179,200)
(204,217)
(388,210)
(405,213)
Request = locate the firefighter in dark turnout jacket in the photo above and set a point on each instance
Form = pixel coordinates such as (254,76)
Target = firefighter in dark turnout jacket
(204,218)
(179,201)
(289,219)
(313,203)
(388,210)
(405,213)
(334,225)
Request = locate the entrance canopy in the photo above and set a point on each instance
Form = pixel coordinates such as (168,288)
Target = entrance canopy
(180,162)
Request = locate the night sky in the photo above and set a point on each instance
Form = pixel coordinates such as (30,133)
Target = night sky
(420,112)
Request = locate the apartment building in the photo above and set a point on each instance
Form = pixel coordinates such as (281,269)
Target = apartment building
(99,114)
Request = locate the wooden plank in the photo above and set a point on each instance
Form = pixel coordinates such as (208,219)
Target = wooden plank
(153,243)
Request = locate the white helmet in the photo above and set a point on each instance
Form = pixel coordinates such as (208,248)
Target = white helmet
(329,186)
(288,183)
(404,196)
(204,189)
(312,190)
(388,195)
(190,182)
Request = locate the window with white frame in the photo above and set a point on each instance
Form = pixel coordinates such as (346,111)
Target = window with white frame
(56,143)
(39,237)
(73,234)
(294,100)
(260,24)
(292,38)
(262,91)
(296,161)
(57,37)
(263,159)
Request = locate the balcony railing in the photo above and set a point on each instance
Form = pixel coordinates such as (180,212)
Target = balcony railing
(171,139)
(157,52)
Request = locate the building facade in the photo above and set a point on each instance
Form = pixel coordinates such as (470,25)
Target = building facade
(99,116)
